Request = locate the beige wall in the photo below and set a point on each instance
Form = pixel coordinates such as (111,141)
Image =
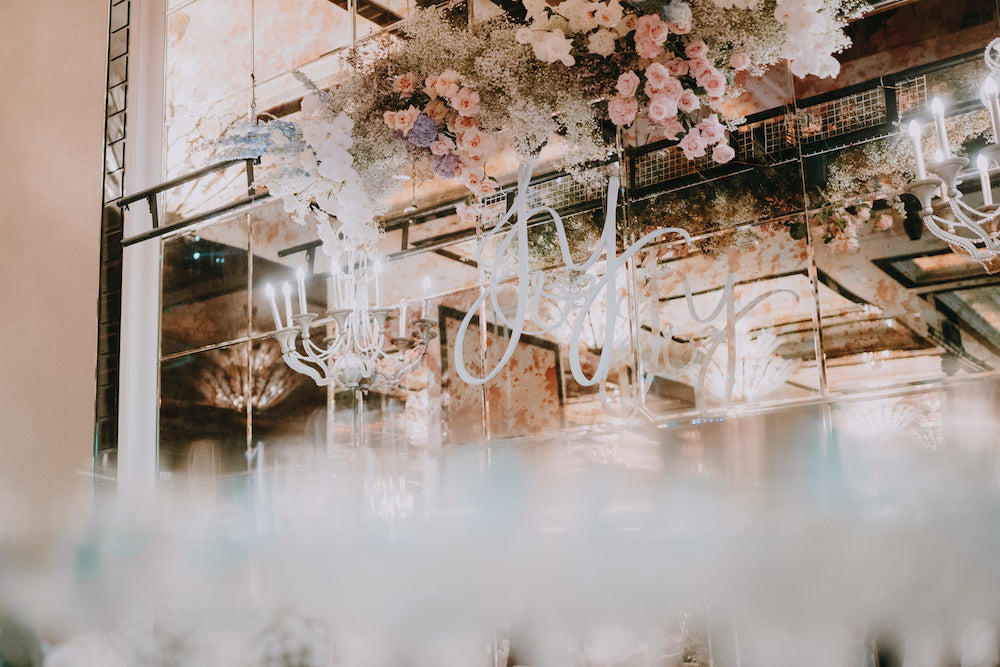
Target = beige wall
(52,76)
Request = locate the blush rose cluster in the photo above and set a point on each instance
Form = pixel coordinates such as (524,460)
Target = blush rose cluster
(442,116)
(674,81)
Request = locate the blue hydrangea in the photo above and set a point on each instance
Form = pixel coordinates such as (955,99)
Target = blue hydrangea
(253,140)
(445,166)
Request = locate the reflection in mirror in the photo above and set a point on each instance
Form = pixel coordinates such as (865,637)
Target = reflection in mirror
(203,412)
(204,286)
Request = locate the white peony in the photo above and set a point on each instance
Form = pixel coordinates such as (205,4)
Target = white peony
(554,46)
(536,9)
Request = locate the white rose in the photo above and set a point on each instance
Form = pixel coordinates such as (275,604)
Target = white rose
(601,43)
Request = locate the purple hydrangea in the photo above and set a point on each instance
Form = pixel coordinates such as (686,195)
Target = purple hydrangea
(398,135)
(423,132)
(445,166)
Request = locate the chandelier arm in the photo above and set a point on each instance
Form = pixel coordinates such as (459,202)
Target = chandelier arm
(958,203)
(291,358)
(962,241)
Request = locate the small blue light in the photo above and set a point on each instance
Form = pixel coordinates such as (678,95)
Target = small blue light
(197,255)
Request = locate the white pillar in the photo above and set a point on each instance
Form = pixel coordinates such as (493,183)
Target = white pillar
(138,383)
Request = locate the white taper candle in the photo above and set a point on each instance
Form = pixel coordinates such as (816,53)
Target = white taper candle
(378,284)
(918,149)
(937,108)
(993,104)
(300,280)
(427,297)
(984,179)
(286,289)
(274,305)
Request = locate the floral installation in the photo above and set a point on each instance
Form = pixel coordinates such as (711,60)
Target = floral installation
(864,183)
(441,98)
(729,204)
(676,61)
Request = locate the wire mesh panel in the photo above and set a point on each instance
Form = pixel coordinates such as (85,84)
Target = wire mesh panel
(843,115)
(563,192)
(766,137)
(667,164)
(493,206)
(911,95)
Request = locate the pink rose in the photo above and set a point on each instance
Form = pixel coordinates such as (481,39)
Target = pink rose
(609,15)
(647,48)
(442,145)
(723,153)
(622,110)
(473,142)
(657,75)
(390,119)
(884,222)
(688,101)
(476,181)
(696,49)
(677,67)
(864,214)
(466,102)
(468,214)
(446,84)
(463,123)
(739,61)
(662,108)
(692,145)
(628,84)
(699,66)
(842,243)
(404,84)
(436,110)
(449,121)
(711,130)
(430,87)
(680,28)
(672,129)
(714,84)
(627,25)
(486,187)
(650,26)
(406,118)
(673,88)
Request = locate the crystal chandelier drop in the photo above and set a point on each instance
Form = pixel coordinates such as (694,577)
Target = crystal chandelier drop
(354,355)
(969,231)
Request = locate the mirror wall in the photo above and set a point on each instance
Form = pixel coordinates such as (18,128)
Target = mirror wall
(806,280)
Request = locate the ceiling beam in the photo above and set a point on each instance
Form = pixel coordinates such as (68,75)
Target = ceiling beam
(374,12)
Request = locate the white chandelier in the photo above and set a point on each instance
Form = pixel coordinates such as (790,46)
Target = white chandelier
(354,356)
(968,230)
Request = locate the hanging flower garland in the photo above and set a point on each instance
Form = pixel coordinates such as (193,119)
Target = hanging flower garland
(442,98)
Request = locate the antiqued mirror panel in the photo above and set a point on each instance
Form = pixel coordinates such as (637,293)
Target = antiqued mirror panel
(204,295)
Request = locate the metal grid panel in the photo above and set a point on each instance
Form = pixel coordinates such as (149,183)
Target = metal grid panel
(665,165)
(911,94)
(558,193)
(766,137)
(843,115)
(493,208)
(562,192)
